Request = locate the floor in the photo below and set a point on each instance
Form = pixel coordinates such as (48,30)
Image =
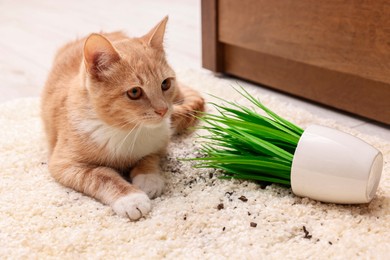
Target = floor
(31,31)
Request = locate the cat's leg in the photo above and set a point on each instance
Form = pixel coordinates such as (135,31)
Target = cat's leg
(103,184)
(187,103)
(146,175)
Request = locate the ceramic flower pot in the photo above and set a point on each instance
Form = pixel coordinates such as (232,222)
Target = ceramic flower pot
(332,166)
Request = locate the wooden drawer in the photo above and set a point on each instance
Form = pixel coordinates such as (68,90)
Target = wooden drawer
(333,52)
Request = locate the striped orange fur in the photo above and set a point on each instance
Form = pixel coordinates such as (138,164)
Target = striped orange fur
(109,108)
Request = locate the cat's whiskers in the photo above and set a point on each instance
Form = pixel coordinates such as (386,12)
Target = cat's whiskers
(110,132)
(114,153)
(190,114)
(122,124)
(178,102)
(135,138)
(119,126)
(111,155)
(124,139)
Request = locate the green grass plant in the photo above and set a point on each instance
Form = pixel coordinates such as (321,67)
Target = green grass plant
(247,145)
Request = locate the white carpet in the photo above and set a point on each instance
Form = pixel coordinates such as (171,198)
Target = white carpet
(199,216)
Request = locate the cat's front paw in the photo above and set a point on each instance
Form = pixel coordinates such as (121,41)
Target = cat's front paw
(134,206)
(152,184)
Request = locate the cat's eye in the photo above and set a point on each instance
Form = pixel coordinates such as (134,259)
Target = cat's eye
(166,84)
(134,93)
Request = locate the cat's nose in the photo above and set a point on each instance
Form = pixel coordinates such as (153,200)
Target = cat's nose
(161,111)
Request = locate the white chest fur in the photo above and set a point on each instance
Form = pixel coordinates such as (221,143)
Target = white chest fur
(132,144)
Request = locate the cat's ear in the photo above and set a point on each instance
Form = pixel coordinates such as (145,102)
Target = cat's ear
(155,37)
(99,54)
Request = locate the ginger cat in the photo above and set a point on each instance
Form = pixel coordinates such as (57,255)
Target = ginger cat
(109,107)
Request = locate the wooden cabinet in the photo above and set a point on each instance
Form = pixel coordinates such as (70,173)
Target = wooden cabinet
(335,52)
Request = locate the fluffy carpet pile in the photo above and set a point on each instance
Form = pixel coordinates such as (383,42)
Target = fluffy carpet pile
(199,215)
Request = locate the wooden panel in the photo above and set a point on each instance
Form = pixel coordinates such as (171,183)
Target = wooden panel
(210,49)
(349,36)
(344,91)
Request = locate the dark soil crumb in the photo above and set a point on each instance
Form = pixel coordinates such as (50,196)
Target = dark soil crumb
(253,224)
(243,199)
(185,217)
(223,229)
(192,181)
(220,206)
(249,213)
(307,235)
(330,243)
(229,193)
(211,175)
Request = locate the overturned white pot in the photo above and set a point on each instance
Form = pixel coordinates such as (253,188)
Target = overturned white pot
(332,166)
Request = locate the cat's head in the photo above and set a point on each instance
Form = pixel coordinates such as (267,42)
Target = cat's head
(128,80)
